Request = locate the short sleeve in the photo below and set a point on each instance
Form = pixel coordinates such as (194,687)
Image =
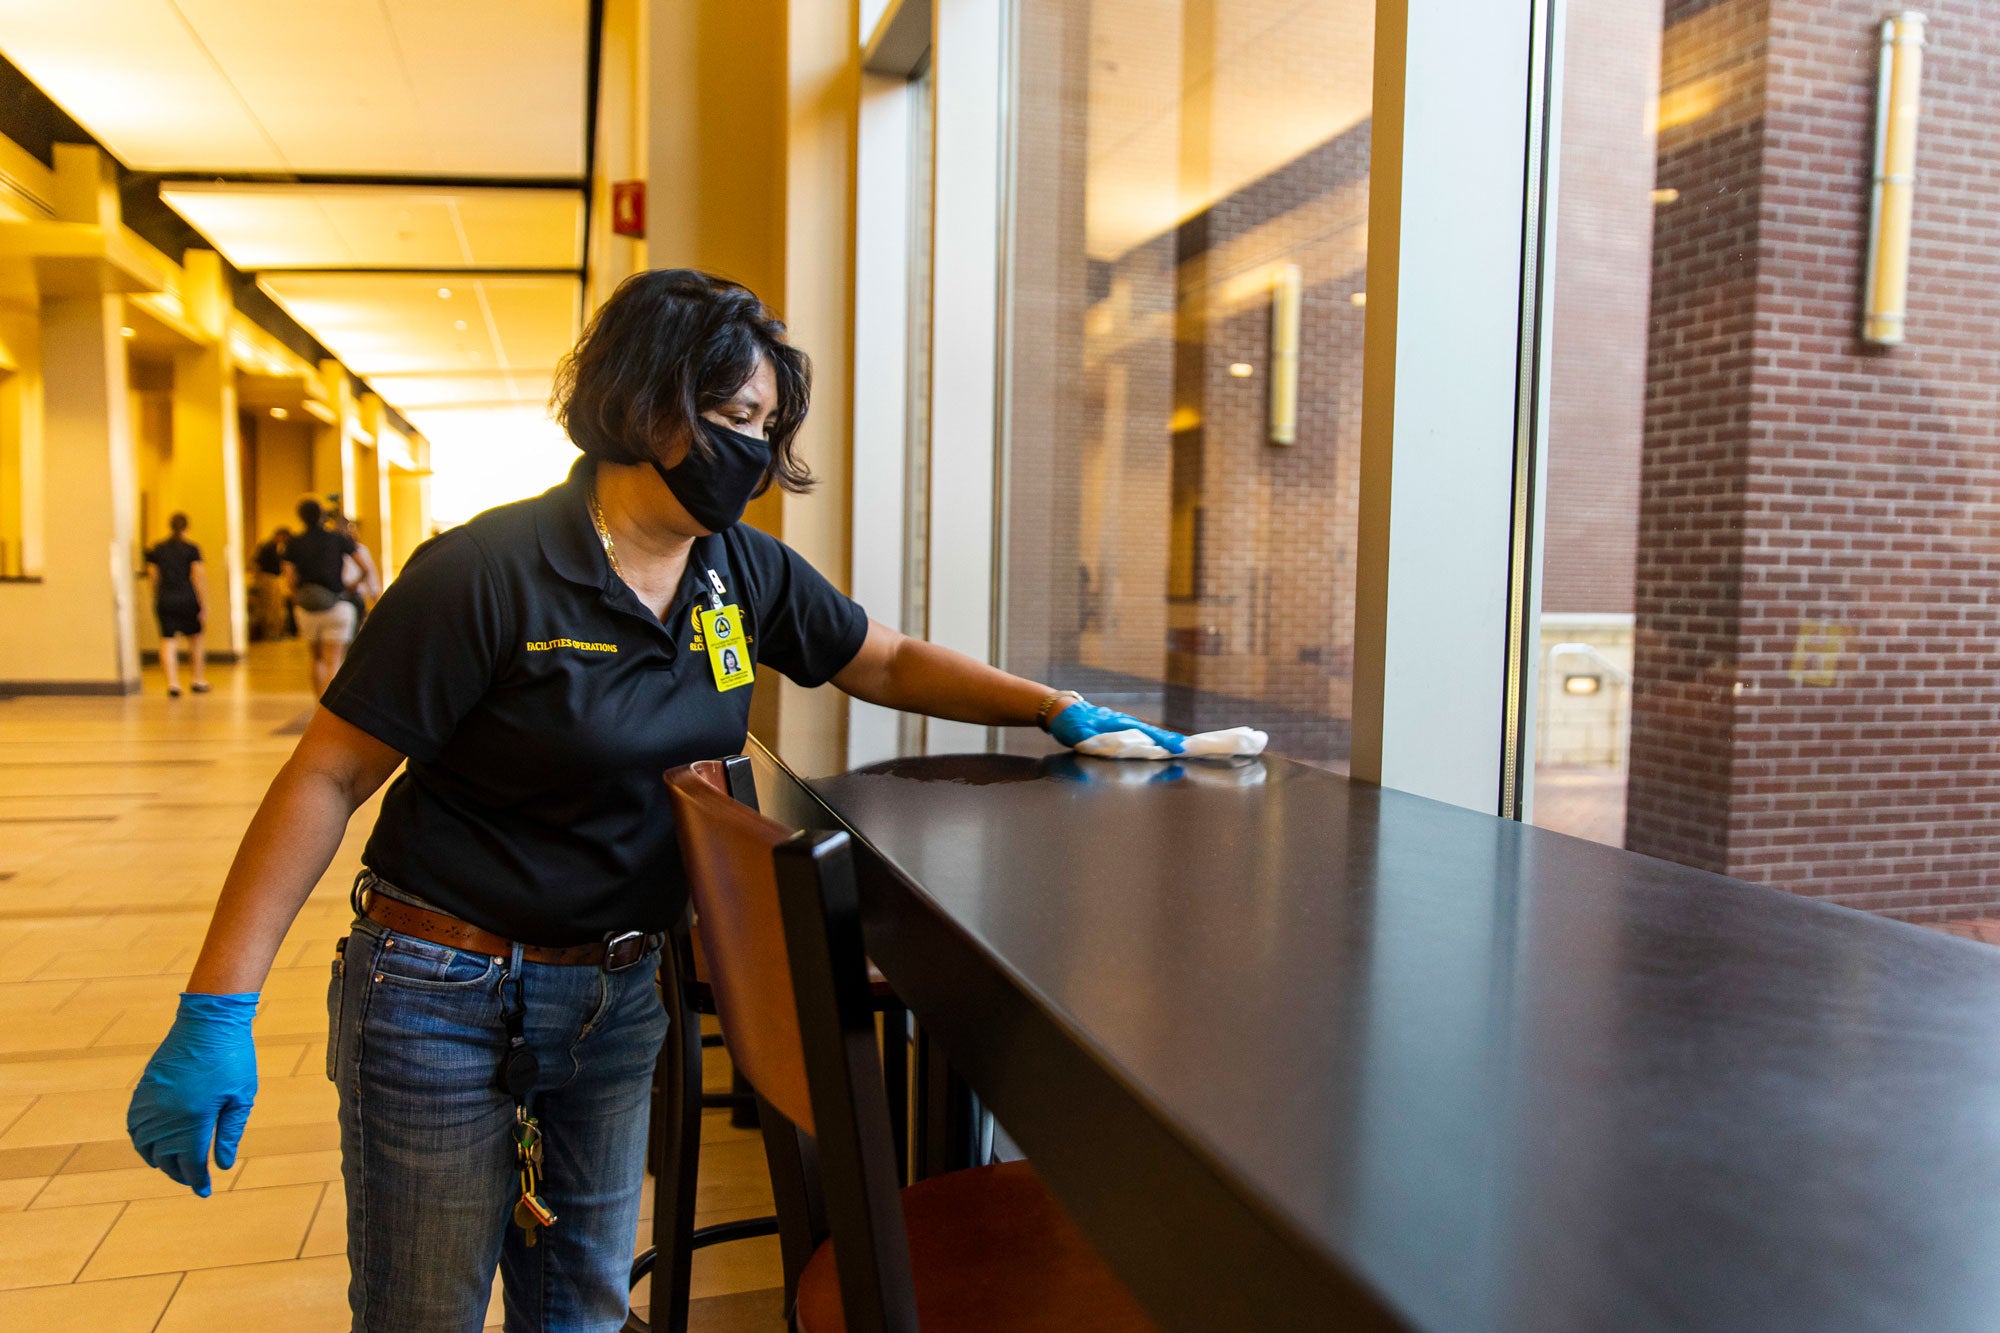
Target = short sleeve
(152,555)
(429,650)
(194,554)
(806,628)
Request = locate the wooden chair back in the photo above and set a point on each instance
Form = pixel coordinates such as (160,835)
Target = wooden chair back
(781,923)
(727,847)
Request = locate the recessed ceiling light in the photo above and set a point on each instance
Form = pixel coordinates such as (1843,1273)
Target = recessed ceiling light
(129,331)
(1242,370)
(444,293)
(279,413)
(458,324)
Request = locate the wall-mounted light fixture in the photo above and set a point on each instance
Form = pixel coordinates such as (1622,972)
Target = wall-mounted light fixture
(1885,293)
(1582,684)
(279,414)
(1288,288)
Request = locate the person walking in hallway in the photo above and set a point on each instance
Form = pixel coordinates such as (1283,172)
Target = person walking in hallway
(180,600)
(271,614)
(317,560)
(359,575)
(538,668)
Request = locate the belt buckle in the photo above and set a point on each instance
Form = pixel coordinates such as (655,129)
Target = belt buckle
(623,949)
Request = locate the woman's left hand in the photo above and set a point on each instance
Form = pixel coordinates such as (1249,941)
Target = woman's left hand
(1083,719)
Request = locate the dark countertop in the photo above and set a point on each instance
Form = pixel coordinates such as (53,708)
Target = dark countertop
(1506,1078)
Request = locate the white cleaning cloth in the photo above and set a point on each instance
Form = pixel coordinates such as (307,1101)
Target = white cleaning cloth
(1235,743)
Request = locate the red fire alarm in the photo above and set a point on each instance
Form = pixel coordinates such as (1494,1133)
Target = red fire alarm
(628,208)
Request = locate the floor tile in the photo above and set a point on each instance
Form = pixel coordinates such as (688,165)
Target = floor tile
(328,1234)
(16,1194)
(29,999)
(67,1117)
(740,1312)
(57,1032)
(261,1140)
(116,1154)
(63,1074)
(43,1161)
(53,1246)
(297,1295)
(129,1305)
(288,1169)
(124,1185)
(742,1265)
(236,1227)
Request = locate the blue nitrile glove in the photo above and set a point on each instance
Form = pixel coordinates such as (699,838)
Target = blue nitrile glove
(1080,721)
(197,1087)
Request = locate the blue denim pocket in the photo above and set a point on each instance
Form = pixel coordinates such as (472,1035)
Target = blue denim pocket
(404,960)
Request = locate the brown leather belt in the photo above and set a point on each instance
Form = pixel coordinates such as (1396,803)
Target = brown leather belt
(613,955)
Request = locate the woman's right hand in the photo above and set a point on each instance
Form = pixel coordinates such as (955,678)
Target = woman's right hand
(197,1089)
(1083,719)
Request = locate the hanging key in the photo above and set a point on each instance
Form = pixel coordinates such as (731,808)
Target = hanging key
(524,1218)
(530,1214)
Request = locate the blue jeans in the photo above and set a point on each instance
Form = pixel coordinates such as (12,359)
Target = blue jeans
(417,1035)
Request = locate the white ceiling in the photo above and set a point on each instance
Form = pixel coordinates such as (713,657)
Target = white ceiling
(432,340)
(410,87)
(364,226)
(437,89)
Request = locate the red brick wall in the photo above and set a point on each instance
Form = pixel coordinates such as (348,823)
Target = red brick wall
(1794,476)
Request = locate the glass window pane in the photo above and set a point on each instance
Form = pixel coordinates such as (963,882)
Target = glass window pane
(1768,643)
(1183,406)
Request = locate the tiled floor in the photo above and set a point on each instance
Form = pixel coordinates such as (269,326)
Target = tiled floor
(118,818)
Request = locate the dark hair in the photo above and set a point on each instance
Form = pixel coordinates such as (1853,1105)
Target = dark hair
(178,524)
(309,513)
(669,345)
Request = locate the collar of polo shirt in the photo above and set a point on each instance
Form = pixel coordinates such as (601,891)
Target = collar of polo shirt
(569,539)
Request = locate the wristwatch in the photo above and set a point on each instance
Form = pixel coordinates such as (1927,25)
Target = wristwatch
(1054,704)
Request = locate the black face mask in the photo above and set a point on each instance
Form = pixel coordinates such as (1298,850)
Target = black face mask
(716,490)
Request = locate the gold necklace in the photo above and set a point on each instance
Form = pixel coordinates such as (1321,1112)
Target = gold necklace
(604,533)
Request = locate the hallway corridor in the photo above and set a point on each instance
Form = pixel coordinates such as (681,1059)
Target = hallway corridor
(118,819)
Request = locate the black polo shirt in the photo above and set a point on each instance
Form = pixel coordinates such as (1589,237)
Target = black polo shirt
(539,701)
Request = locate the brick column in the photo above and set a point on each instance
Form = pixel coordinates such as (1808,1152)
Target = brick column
(1818,654)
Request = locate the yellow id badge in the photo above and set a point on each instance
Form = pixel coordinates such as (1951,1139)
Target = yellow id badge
(728,649)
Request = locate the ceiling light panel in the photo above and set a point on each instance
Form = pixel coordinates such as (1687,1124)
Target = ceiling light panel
(461,392)
(431,87)
(358,226)
(393,329)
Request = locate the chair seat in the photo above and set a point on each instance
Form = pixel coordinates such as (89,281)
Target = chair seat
(989,1249)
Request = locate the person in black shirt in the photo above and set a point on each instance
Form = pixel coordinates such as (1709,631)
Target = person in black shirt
(317,560)
(270,610)
(180,601)
(532,673)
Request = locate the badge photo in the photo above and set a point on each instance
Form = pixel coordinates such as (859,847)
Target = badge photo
(720,632)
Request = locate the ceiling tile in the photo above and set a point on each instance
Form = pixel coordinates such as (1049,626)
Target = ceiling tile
(412,87)
(138,78)
(298,226)
(404,329)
